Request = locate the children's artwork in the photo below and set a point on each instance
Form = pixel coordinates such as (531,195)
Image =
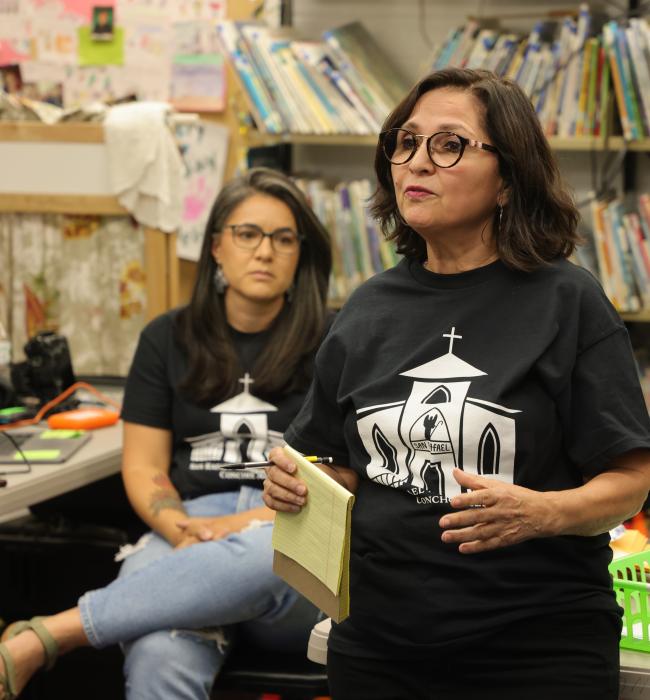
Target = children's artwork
(141,38)
(43,82)
(55,43)
(204,147)
(92,84)
(198,83)
(13,51)
(76,10)
(147,43)
(206,10)
(11,20)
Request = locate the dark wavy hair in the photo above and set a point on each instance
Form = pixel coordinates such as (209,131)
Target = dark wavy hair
(539,222)
(202,329)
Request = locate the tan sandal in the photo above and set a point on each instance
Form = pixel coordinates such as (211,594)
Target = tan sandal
(50,646)
(8,678)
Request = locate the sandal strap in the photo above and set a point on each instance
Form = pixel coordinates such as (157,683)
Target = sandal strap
(15,628)
(8,679)
(47,640)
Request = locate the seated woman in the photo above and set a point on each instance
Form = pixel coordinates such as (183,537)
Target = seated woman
(213,383)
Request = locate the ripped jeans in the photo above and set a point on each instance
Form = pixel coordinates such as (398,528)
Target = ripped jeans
(167,606)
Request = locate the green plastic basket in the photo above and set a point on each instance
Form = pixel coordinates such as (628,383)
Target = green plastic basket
(631,581)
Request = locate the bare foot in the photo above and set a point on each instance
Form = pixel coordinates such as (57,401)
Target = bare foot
(28,656)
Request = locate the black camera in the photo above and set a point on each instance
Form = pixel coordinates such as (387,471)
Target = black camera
(46,372)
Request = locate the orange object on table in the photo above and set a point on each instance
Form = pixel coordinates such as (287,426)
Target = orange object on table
(83,419)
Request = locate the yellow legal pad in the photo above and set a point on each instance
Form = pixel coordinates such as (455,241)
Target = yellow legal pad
(312,547)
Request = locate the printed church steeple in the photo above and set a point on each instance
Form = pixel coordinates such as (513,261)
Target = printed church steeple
(415,444)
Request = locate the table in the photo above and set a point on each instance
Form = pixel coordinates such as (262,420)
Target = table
(635,675)
(101,456)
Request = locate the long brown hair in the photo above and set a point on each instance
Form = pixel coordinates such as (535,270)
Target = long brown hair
(539,221)
(202,328)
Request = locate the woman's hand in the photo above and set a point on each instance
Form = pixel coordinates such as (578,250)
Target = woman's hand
(195,530)
(282,490)
(496,514)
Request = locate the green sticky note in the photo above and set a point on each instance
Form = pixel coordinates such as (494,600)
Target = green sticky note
(37,455)
(100,53)
(60,434)
(12,410)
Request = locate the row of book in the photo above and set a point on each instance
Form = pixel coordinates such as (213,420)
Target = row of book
(343,84)
(359,248)
(618,251)
(570,69)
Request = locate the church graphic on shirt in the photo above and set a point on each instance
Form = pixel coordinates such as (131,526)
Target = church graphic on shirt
(243,436)
(415,444)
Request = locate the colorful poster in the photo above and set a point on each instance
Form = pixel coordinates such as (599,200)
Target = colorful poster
(80,11)
(14,51)
(198,83)
(147,43)
(92,84)
(204,147)
(205,10)
(55,42)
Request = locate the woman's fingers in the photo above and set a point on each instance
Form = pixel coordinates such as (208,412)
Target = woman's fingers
(283,491)
(279,457)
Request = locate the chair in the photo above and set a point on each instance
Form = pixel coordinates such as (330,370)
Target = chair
(292,676)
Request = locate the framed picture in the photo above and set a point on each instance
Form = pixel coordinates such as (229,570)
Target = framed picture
(102,23)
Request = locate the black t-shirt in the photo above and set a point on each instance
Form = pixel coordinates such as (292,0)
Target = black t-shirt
(525,378)
(242,428)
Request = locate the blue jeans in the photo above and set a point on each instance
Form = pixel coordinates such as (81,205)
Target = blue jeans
(164,599)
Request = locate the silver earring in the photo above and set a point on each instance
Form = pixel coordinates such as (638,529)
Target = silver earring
(289,293)
(220,281)
(500,215)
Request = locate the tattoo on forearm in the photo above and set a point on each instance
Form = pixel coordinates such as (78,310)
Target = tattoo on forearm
(165,497)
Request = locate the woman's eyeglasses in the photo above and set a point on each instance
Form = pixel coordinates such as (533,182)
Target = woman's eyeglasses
(284,241)
(445,148)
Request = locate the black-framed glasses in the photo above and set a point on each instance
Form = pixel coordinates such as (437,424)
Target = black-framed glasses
(445,148)
(284,241)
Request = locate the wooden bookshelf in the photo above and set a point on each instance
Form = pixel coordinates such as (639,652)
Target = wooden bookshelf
(642,316)
(256,138)
(559,143)
(80,132)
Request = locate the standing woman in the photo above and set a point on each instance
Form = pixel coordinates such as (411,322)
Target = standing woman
(482,400)
(215,382)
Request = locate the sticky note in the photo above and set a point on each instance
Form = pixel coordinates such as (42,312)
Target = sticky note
(37,455)
(12,410)
(60,434)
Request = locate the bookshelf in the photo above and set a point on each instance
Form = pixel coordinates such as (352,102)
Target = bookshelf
(254,139)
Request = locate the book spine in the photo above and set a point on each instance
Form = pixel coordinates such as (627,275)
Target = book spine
(266,117)
(602,112)
(609,38)
(600,246)
(641,71)
(628,85)
(592,90)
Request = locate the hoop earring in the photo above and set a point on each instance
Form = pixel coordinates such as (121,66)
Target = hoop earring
(289,293)
(220,281)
